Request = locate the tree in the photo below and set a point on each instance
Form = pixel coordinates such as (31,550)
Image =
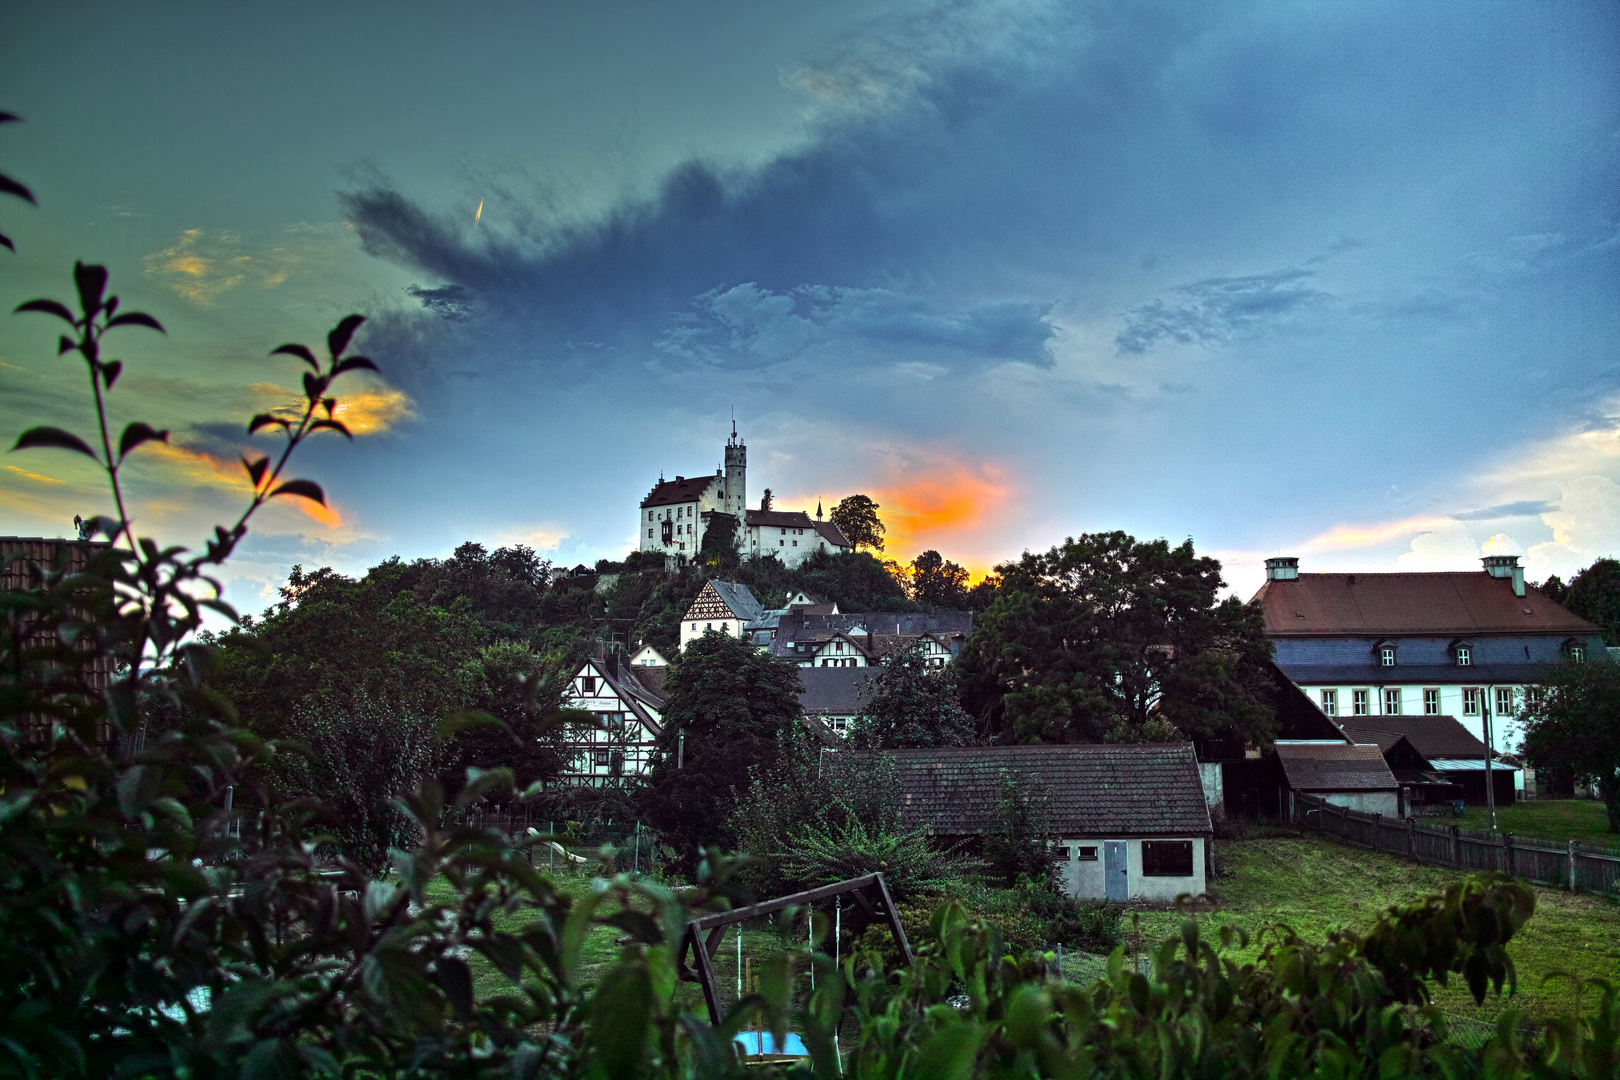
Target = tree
(856,517)
(912,704)
(765,500)
(938,583)
(1023,845)
(736,707)
(1554,589)
(1110,638)
(720,541)
(1594,595)
(1574,722)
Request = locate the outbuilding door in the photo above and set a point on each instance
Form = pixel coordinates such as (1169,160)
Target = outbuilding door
(1116,870)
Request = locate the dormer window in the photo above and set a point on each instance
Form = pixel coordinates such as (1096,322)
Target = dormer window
(1385,652)
(1575,649)
(1463,653)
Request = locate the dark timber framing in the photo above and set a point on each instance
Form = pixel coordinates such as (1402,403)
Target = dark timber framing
(704,934)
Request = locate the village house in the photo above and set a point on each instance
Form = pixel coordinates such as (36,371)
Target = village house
(1468,645)
(1132,819)
(836,696)
(627,720)
(1343,774)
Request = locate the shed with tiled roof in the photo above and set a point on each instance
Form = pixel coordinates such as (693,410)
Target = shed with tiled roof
(1132,820)
(1353,776)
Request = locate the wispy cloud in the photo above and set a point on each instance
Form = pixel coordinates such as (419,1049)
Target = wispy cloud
(202,266)
(1216,310)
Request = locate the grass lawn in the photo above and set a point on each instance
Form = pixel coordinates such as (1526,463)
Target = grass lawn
(1314,885)
(1583,820)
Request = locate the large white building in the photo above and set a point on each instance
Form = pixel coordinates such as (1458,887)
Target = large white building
(676,513)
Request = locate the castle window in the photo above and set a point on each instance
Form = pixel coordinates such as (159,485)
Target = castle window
(1330,702)
(1431,701)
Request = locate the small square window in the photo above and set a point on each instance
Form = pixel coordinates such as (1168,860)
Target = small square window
(1386,656)
(600,757)
(587,685)
(1465,656)
(1392,701)
(1358,700)
(1086,854)
(1167,858)
(1431,701)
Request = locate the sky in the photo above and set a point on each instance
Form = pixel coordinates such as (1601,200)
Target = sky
(1332,280)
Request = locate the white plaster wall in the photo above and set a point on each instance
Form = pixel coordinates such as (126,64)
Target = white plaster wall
(1507,734)
(1368,802)
(692,630)
(1210,775)
(1086,880)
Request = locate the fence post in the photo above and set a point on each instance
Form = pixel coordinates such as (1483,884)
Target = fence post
(1572,866)
(1456,847)
(1411,838)
(1508,856)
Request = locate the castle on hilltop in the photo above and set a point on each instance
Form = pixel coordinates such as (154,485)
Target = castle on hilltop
(676,513)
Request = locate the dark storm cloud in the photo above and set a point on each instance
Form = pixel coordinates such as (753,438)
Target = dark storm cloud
(1216,310)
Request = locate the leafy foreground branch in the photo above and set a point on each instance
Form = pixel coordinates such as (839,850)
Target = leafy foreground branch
(165,911)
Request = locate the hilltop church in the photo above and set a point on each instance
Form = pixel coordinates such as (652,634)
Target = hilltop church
(676,513)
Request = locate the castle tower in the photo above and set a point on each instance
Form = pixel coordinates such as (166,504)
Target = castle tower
(736,475)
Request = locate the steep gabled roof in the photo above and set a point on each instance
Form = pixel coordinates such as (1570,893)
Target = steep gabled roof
(1431,736)
(832,534)
(1319,767)
(836,691)
(724,600)
(682,489)
(1102,789)
(1445,604)
(785,519)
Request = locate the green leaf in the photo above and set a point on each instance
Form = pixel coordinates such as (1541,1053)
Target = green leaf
(469,720)
(482,781)
(309,489)
(300,351)
(137,433)
(455,979)
(255,469)
(48,307)
(338,339)
(92,282)
(136,318)
(53,437)
(9,186)
(949,1052)
(621,1015)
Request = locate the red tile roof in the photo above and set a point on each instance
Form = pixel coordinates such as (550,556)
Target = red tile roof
(1335,767)
(1458,604)
(682,489)
(1431,736)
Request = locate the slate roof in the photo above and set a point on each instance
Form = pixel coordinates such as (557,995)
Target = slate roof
(1410,603)
(1323,767)
(799,625)
(682,489)
(1102,789)
(1431,736)
(835,691)
(784,519)
(738,599)
(832,534)
(652,677)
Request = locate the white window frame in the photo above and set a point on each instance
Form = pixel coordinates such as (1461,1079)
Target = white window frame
(1392,694)
(1431,701)
(1330,702)
(1360,703)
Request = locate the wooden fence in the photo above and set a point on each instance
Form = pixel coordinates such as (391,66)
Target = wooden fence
(1545,862)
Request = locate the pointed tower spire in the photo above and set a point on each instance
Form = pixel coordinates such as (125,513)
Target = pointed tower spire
(818,509)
